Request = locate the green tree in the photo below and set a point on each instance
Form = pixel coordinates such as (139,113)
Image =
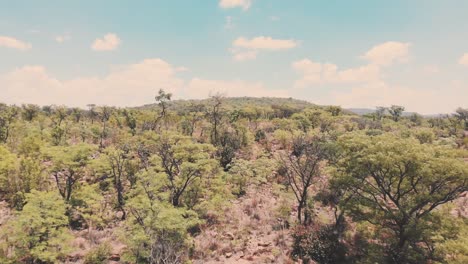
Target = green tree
(184,162)
(395,184)
(396,111)
(7,117)
(30,111)
(155,231)
(162,99)
(69,166)
(39,233)
(302,168)
(462,115)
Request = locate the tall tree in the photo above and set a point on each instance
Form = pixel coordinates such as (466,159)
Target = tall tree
(396,111)
(162,99)
(302,166)
(395,184)
(69,166)
(183,162)
(215,116)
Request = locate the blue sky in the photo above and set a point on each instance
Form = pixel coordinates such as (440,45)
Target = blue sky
(362,53)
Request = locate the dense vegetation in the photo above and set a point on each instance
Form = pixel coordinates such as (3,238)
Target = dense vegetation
(379,188)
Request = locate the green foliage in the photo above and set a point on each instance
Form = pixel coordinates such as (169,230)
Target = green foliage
(69,166)
(395,184)
(321,245)
(39,233)
(155,230)
(156,174)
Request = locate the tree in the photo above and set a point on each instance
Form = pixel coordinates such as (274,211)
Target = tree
(462,115)
(69,165)
(77,114)
(39,233)
(156,232)
(105,114)
(380,112)
(334,110)
(130,120)
(162,99)
(395,184)
(302,168)
(396,111)
(90,204)
(30,111)
(8,174)
(120,169)
(215,115)
(7,117)
(183,162)
(194,116)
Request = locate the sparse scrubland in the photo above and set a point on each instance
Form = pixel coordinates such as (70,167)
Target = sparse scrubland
(232,180)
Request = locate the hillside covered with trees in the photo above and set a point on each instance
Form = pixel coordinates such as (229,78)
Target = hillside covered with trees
(232,180)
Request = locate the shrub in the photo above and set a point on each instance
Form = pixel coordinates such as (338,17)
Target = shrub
(320,244)
(98,254)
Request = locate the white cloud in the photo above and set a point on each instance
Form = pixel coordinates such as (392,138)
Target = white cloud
(244,55)
(264,43)
(13,43)
(202,88)
(62,38)
(314,73)
(274,18)
(463,59)
(247,49)
(129,85)
(388,53)
(424,101)
(379,56)
(110,41)
(244,4)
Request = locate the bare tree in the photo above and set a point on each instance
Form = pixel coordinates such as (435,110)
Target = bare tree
(215,116)
(302,167)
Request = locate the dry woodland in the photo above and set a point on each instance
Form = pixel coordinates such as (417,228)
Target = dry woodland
(232,180)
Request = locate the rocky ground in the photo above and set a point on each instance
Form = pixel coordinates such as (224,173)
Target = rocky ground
(251,232)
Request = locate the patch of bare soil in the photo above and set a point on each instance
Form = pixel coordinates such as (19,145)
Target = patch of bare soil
(250,232)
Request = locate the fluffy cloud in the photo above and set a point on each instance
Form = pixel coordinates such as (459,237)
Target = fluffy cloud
(110,41)
(264,43)
(129,85)
(388,53)
(244,4)
(243,55)
(201,88)
(463,59)
(13,43)
(423,101)
(314,73)
(247,49)
(379,56)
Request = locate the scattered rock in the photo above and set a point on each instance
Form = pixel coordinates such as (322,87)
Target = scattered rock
(229,235)
(264,244)
(228,254)
(114,257)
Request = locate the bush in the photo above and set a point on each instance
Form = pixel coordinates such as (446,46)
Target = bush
(320,244)
(98,255)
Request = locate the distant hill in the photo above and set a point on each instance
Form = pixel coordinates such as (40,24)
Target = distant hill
(241,102)
(365,111)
